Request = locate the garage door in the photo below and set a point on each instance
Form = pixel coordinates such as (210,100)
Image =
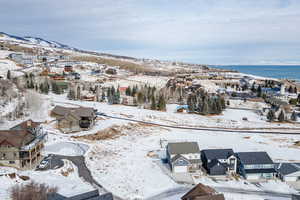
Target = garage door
(180,169)
(253,176)
(290,178)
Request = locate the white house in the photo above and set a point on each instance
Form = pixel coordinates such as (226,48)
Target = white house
(183,157)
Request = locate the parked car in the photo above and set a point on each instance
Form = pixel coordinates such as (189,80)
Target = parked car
(43,164)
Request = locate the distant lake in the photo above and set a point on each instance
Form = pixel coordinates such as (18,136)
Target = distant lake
(273,71)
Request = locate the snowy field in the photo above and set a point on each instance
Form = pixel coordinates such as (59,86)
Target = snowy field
(124,165)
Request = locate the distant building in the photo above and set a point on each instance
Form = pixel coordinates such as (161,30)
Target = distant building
(256,165)
(183,157)
(21,146)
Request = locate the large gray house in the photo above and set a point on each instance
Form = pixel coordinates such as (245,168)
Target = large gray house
(183,157)
(255,165)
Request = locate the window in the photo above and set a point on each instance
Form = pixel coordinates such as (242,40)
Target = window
(12,162)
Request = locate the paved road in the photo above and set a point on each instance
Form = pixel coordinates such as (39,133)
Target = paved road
(84,172)
(205,128)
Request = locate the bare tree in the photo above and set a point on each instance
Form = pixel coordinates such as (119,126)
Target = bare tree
(32,191)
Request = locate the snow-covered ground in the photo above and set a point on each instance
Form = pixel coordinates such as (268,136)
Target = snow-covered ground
(67,185)
(123,165)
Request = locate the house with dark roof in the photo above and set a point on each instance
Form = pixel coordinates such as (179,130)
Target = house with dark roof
(183,157)
(202,192)
(21,146)
(255,165)
(74,119)
(219,161)
(289,172)
(92,195)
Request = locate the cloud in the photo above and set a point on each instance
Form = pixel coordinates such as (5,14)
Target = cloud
(206,31)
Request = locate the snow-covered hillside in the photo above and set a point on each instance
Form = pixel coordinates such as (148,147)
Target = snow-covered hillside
(33,41)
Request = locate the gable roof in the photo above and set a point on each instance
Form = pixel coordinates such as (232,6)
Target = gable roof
(60,110)
(203,191)
(16,138)
(252,158)
(183,148)
(214,163)
(177,157)
(210,154)
(92,195)
(79,112)
(25,125)
(287,168)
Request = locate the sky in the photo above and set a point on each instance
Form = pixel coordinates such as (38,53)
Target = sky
(196,31)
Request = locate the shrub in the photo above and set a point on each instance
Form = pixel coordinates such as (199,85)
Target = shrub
(32,191)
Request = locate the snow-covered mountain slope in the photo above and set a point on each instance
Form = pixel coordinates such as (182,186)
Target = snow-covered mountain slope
(33,41)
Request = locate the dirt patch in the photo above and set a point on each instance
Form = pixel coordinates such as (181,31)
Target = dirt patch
(247,137)
(24,178)
(115,131)
(67,171)
(297,143)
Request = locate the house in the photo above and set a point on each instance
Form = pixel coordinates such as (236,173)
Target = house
(74,119)
(295,197)
(129,100)
(68,68)
(92,195)
(183,157)
(202,192)
(289,172)
(255,165)
(21,146)
(219,161)
(182,108)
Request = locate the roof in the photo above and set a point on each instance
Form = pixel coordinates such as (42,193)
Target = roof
(206,192)
(287,168)
(183,148)
(16,138)
(92,195)
(215,162)
(60,110)
(252,158)
(79,112)
(210,154)
(26,125)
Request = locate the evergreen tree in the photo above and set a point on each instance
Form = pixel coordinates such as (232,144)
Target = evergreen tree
(8,75)
(281,116)
(271,115)
(140,98)
(128,91)
(228,103)
(134,91)
(117,97)
(294,116)
(161,103)
(222,101)
(103,96)
(259,91)
(153,103)
(71,94)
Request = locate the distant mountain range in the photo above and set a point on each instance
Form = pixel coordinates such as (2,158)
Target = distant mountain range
(34,41)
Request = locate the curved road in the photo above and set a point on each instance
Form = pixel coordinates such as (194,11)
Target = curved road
(84,172)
